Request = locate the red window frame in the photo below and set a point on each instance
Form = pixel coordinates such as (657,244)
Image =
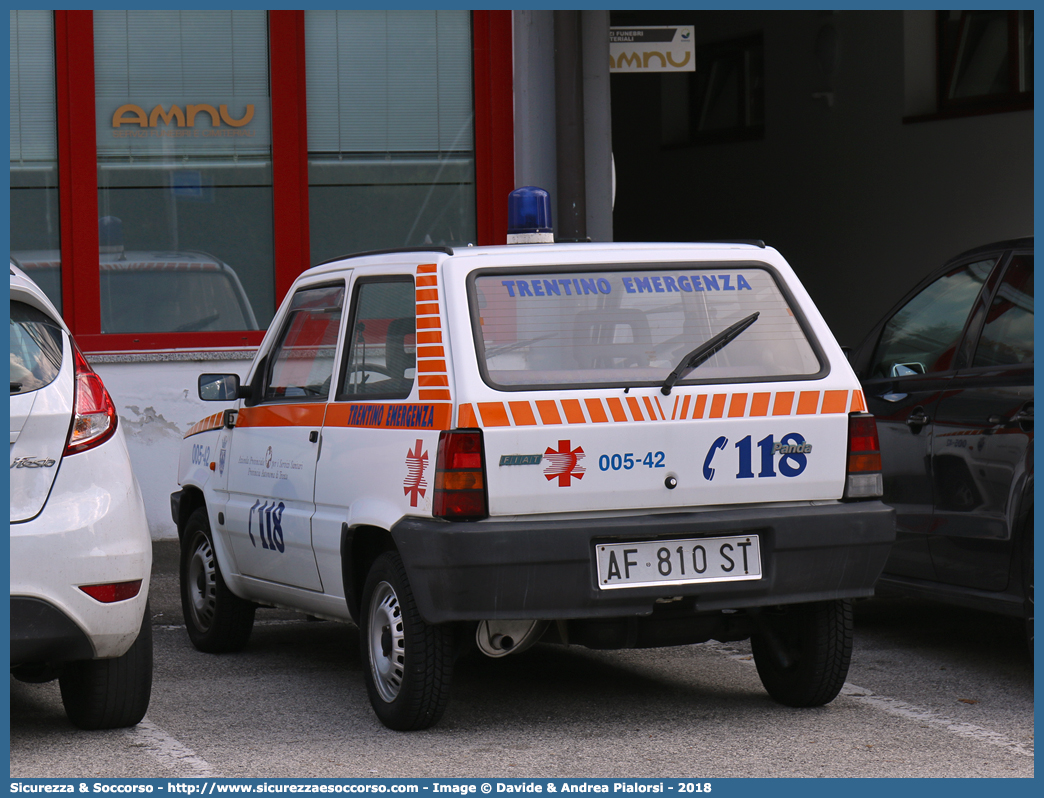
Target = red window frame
(78,167)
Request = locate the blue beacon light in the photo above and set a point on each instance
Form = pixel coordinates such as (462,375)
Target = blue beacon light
(529,216)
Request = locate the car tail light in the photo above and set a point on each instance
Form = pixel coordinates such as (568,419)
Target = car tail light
(460,477)
(864,458)
(110,593)
(94,414)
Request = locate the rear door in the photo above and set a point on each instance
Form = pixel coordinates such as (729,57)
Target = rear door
(577,414)
(982,448)
(911,369)
(275,444)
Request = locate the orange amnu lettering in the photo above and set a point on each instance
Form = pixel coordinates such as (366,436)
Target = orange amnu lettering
(204,109)
(137,118)
(237,122)
(174,113)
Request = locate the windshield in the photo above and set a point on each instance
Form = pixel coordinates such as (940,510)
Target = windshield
(621,326)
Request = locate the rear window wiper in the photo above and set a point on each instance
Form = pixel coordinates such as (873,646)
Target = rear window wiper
(707,350)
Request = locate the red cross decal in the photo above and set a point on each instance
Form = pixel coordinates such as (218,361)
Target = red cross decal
(415,483)
(564,464)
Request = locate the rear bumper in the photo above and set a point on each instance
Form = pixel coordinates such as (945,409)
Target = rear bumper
(494,570)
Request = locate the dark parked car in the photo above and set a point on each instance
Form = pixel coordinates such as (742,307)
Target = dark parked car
(949,375)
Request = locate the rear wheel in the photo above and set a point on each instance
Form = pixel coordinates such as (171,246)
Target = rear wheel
(408,662)
(110,693)
(802,652)
(217,620)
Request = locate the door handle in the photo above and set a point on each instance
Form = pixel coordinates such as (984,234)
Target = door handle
(917,419)
(313,436)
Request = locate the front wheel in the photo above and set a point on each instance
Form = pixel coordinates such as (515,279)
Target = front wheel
(408,663)
(802,651)
(217,620)
(110,693)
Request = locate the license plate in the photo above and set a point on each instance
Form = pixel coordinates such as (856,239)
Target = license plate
(678,562)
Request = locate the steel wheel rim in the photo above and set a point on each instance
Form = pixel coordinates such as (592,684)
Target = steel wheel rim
(387,643)
(202,584)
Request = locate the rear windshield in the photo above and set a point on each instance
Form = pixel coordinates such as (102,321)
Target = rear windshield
(621,326)
(36,349)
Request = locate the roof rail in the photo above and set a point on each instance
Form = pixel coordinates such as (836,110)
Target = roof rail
(393,251)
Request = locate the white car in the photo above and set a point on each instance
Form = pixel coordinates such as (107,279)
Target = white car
(81,553)
(611,445)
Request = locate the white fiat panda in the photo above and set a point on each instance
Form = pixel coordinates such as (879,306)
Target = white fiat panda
(608,445)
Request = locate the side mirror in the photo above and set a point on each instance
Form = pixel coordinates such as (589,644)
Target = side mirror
(218,387)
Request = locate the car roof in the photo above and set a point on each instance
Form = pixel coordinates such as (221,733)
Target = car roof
(1025,242)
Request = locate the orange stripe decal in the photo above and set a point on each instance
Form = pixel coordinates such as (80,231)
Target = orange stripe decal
(438,366)
(290,415)
(718,405)
(738,405)
(636,409)
(574,413)
(548,411)
(494,414)
(433,380)
(651,409)
(596,411)
(409,415)
(428,309)
(433,395)
(784,401)
(427,295)
(466,416)
(522,412)
(808,403)
(427,268)
(424,337)
(701,405)
(835,401)
(858,405)
(685,406)
(428,323)
(759,404)
(431,351)
(616,408)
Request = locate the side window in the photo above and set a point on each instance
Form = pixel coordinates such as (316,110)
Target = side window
(1007,334)
(380,359)
(923,336)
(302,360)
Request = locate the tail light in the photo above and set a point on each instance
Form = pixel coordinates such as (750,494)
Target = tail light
(94,414)
(864,458)
(460,477)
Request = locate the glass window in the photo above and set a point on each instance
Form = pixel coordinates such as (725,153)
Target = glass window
(923,336)
(184,169)
(35,240)
(391,156)
(36,349)
(1007,335)
(302,361)
(625,327)
(985,59)
(381,358)
(722,100)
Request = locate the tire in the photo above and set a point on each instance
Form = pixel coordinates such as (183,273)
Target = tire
(110,693)
(817,641)
(408,663)
(218,621)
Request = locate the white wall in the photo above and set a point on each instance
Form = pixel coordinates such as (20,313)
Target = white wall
(157,404)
